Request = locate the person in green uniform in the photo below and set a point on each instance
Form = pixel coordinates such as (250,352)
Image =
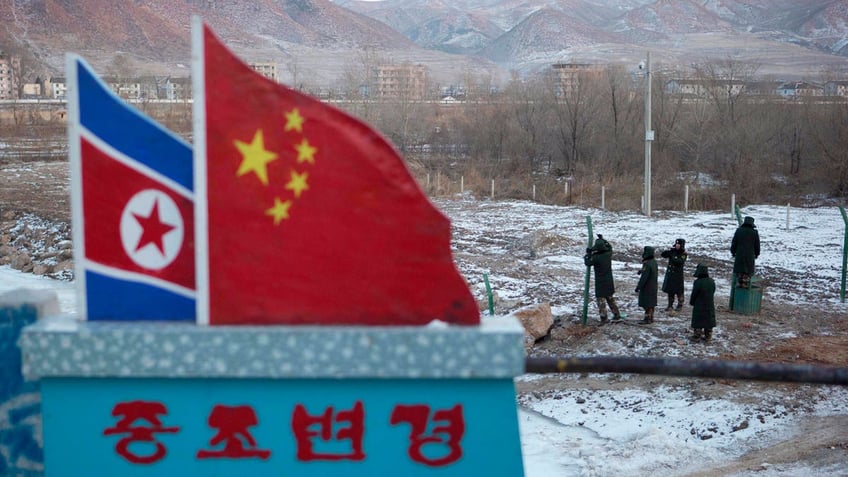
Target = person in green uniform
(647,287)
(703,305)
(745,249)
(599,257)
(673,279)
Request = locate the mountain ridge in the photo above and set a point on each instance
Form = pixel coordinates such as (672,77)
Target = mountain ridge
(321,41)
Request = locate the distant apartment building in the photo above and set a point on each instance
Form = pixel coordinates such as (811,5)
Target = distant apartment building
(702,88)
(10,67)
(836,88)
(266,69)
(797,89)
(177,88)
(568,77)
(126,88)
(32,90)
(57,87)
(405,81)
(762,88)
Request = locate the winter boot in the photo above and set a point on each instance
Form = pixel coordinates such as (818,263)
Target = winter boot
(604,320)
(679,302)
(649,316)
(670,303)
(616,314)
(696,335)
(708,335)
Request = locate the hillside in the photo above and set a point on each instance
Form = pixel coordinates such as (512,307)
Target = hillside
(790,38)
(543,33)
(316,36)
(320,42)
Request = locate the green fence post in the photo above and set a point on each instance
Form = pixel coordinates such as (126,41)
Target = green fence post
(588,273)
(844,253)
(489,294)
(738,215)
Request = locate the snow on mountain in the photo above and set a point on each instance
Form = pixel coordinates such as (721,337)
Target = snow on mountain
(544,31)
(320,37)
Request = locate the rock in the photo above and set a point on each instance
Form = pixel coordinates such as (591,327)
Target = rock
(536,319)
(559,334)
(42,269)
(46,256)
(19,261)
(64,265)
(742,425)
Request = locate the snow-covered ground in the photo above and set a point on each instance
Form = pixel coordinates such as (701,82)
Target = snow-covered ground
(667,430)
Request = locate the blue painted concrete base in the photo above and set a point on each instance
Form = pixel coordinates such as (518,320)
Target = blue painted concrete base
(21,448)
(421,427)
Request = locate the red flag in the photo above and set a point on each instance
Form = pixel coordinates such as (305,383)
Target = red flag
(311,216)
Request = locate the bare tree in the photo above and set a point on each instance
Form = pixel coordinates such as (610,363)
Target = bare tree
(830,135)
(724,83)
(620,121)
(574,114)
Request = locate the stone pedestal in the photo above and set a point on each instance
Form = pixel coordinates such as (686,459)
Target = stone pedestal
(151,399)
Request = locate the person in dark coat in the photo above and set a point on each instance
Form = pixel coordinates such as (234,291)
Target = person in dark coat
(673,280)
(745,249)
(599,257)
(647,287)
(703,305)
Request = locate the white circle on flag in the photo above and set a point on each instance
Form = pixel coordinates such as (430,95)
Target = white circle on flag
(152,229)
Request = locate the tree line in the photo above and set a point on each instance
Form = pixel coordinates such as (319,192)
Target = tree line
(762,149)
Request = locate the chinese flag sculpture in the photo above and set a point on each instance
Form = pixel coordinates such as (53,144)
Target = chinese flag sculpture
(306,215)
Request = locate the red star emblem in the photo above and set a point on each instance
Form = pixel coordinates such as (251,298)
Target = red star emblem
(153,229)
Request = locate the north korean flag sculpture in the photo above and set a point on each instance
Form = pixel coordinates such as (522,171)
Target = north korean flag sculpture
(305,214)
(132,204)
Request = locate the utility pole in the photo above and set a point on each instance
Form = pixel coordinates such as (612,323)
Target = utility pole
(649,135)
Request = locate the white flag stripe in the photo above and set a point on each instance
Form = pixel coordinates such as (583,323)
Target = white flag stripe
(135,165)
(138,277)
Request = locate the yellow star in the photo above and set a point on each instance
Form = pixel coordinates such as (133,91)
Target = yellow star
(294,121)
(305,152)
(255,157)
(298,184)
(279,211)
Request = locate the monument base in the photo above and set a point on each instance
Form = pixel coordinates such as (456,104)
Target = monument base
(149,399)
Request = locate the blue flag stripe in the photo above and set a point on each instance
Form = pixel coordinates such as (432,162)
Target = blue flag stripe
(129,301)
(150,280)
(127,130)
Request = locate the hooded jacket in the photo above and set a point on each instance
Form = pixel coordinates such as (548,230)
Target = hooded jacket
(703,299)
(600,258)
(647,287)
(673,279)
(745,247)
